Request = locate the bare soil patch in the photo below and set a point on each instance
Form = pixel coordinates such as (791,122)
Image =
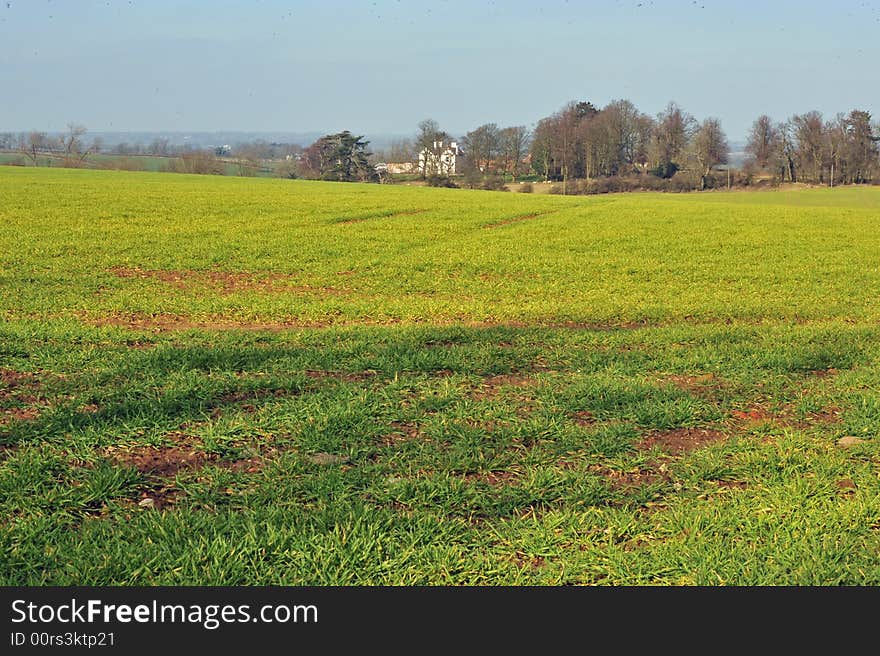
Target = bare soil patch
(785,416)
(681,440)
(492,478)
(21,388)
(584,418)
(184,454)
(226,282)
(18,414)
(825,373)
(244,465)
(703,385)
(846,486)
(491,386)
(11,379)
(732,485)
(162,462)
(755,414)
(140,346)
(401,431)
(244,399)
(159,497)
(349,377)
(533,562)
(165,322)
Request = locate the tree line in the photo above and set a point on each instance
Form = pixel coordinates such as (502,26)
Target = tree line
(617,144)
(581,147)
(807,148)
(74,149)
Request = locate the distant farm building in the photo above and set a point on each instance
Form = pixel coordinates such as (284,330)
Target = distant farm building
(401,167)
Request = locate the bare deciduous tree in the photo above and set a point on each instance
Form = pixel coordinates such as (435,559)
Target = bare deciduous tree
(808,131)
(74,147)
(483,145)
(32,144)
(671,134)
(764,142)
(514,142)
(709,148)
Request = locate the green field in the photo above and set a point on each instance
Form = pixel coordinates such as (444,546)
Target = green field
(211,380)
(147,162)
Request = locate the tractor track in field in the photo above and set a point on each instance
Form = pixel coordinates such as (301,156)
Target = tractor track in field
(518,219)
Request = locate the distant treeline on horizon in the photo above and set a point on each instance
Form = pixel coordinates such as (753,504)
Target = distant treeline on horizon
(580,142)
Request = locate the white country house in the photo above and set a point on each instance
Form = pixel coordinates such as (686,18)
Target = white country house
(442,159)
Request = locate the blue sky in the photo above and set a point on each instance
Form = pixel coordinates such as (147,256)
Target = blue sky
(380,67)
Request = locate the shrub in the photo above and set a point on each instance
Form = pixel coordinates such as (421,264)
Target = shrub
(526,188)
(196,162)
(494,183)
(435,180)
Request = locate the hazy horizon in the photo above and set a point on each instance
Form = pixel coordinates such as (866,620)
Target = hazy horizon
(379,68)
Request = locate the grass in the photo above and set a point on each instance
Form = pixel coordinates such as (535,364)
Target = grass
(222,381)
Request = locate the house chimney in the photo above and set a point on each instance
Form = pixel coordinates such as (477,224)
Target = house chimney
(453,145)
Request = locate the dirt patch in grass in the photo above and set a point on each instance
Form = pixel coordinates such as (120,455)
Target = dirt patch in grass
(517,219)
(401,431)
(584,418)
(348,377)
(681,440)
(185,453)
(140,346)
(830,415)
(442,373)
(492,478)
(702,385)
(732,485)
(523,561)
(491,386)
(785,416)
(226,282)
(241,396)
(10,415)
(244,399)
(161,462)
(824,373)
(165,322)
(159,498)
(846,486)
(20,388)
(10,379)
(245,465)
(755,414)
